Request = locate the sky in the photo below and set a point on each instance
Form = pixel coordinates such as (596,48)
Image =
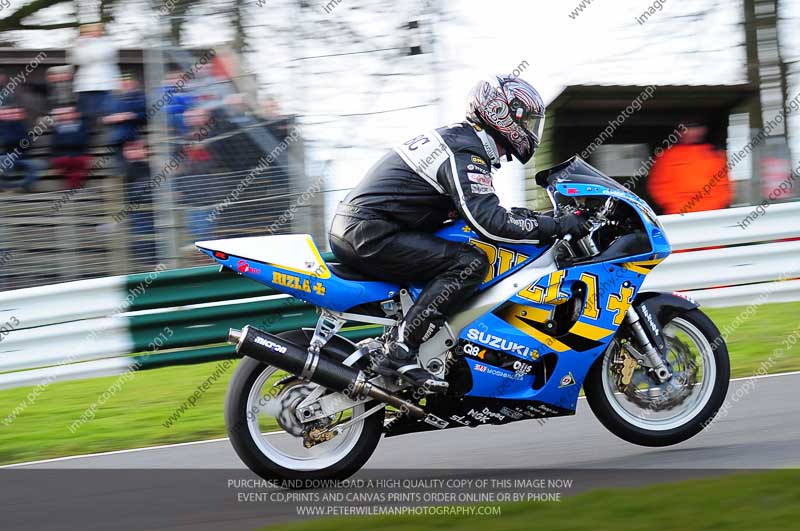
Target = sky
(604,44)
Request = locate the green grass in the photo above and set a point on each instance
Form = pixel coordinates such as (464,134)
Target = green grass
(754,501)
(133,416)
(756,339)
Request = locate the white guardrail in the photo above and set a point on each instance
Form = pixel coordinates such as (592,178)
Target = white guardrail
(720,259)
(83,329)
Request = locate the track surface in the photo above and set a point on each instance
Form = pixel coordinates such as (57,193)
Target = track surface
(761,429)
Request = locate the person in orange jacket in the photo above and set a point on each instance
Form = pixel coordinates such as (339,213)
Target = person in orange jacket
(690,176)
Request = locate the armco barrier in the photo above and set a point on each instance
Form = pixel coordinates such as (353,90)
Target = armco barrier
(102,327)
(109,326)
(721,261)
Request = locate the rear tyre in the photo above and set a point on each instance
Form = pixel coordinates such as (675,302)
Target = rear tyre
(347,452)
(651,415)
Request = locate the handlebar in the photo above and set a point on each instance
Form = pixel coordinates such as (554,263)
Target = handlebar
(595,220)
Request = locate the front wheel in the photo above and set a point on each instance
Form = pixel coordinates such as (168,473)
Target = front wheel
(634,407)
(264,431)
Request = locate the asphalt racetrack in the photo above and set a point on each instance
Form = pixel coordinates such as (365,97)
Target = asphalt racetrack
(189,486)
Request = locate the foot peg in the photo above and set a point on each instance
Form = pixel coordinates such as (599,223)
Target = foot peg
(398,360)
(419,377)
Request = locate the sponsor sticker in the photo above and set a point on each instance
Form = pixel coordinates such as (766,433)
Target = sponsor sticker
(480,178)
(521,368)
(513,413)
(485,415)
(472,350)
(271,345)
(478,160)
(528,224)
(684,296)
(567,381)
(472,167)
(481,189)
(243,267)
(295,282)
(498,343)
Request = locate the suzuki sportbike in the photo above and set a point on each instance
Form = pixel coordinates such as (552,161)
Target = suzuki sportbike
(548,320)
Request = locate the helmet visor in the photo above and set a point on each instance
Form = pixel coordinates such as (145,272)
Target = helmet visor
(534,123)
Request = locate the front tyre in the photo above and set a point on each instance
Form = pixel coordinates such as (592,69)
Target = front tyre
(254,425)
(635,408)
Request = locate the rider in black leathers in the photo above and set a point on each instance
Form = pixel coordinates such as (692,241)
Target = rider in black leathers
(384,226)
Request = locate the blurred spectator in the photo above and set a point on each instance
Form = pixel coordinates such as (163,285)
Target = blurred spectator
(178,102)
(59,86)
(276,123)
(194,186)
(24,93)
(128,113)
(70,147)
(691,176)
(6,255)
(270,109)
(4,81)
(242,140)
(238,112)
(95,57)
(211,85)
(15,150)
(139,195)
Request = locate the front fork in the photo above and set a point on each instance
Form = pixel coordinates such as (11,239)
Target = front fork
(648,356)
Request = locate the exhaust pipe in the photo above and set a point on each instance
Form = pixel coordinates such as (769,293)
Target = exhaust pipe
(313,367)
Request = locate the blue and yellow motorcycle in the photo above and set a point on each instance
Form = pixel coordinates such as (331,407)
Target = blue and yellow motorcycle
(547,321)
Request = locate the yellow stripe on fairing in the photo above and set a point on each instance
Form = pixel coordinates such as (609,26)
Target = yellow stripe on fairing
(590,331)
(642,266)
(540,315)
(551,342)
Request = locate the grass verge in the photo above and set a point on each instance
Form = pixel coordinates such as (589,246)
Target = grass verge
(135,415)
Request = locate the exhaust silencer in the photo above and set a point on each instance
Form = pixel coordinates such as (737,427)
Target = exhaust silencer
(312,366)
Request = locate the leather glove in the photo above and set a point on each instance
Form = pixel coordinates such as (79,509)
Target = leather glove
(574,224)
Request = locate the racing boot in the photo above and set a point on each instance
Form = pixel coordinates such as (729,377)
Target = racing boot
(399,356)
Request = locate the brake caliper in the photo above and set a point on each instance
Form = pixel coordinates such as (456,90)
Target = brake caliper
(628,366)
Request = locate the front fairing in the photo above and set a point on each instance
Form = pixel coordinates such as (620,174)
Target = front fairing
(575,178)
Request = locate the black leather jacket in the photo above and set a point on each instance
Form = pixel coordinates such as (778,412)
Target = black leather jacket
(438,175)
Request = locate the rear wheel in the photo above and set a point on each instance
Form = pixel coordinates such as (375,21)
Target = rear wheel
(634,407)
(259,414)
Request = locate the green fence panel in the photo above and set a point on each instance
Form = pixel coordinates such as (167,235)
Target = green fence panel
(194,285)
(209,354)
(194,328)
(186,357)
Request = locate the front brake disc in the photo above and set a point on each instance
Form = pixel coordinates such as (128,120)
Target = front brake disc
(670,394)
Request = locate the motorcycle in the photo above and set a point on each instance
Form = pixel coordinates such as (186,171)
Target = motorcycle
(547,320)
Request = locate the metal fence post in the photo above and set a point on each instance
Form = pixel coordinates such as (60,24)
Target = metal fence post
(166,226)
